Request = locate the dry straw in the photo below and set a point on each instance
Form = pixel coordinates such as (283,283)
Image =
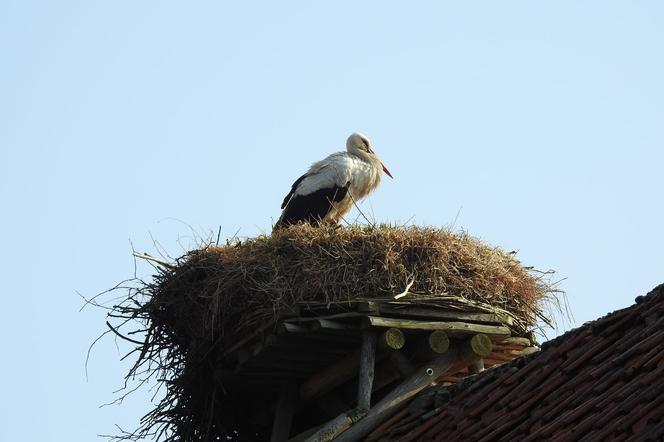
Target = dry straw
(194,310)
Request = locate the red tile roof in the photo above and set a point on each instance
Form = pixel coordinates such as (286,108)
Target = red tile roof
(602,381)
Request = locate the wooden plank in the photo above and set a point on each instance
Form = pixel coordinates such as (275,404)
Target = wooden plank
(290,312)
(288,327)
(450,327)
(367,366)
(500,356)
(345,316)
(283,416)
(516,341)
(431,312)
(368,307)
(329,324)
(529,350)
(458,356)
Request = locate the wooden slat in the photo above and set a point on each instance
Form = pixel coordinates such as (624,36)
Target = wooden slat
(434,313)
(368,307)
(449,327)
(337,316)
(328,324)
(522,342)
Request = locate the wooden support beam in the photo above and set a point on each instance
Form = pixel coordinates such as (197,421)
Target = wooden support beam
(336,426)
(438,341)
(433,345)
(283,416)
(391,339)
(449,327)
(478,346)
(367,367)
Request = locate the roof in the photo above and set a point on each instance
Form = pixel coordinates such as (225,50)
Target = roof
(601,381)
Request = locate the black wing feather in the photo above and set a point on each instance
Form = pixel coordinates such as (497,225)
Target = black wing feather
(292,190)
(310,208)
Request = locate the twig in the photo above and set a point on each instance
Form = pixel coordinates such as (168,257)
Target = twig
(371,223)
(405,292)
(153,259)
(123,336)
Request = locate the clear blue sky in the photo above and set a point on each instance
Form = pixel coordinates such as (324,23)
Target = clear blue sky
(540,124)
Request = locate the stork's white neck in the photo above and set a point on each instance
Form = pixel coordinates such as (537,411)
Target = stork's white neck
(372,159)
(365,175)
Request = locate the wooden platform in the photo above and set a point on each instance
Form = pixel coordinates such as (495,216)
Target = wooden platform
(313,353)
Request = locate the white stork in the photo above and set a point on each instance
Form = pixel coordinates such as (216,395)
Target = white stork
(329,189)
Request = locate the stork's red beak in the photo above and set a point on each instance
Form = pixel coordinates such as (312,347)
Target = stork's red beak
(386,171)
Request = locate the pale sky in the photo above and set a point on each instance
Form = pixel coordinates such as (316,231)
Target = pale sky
(536,126)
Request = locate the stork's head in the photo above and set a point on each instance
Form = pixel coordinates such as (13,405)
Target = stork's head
(358,144)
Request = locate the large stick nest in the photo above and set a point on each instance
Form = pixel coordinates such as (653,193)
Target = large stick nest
(212,297)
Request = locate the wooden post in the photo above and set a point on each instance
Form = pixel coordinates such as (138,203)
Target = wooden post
(477,367)
(283,415)
(367,365)
(478,346)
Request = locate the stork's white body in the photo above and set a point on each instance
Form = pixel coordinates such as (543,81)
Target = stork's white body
(331,186)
